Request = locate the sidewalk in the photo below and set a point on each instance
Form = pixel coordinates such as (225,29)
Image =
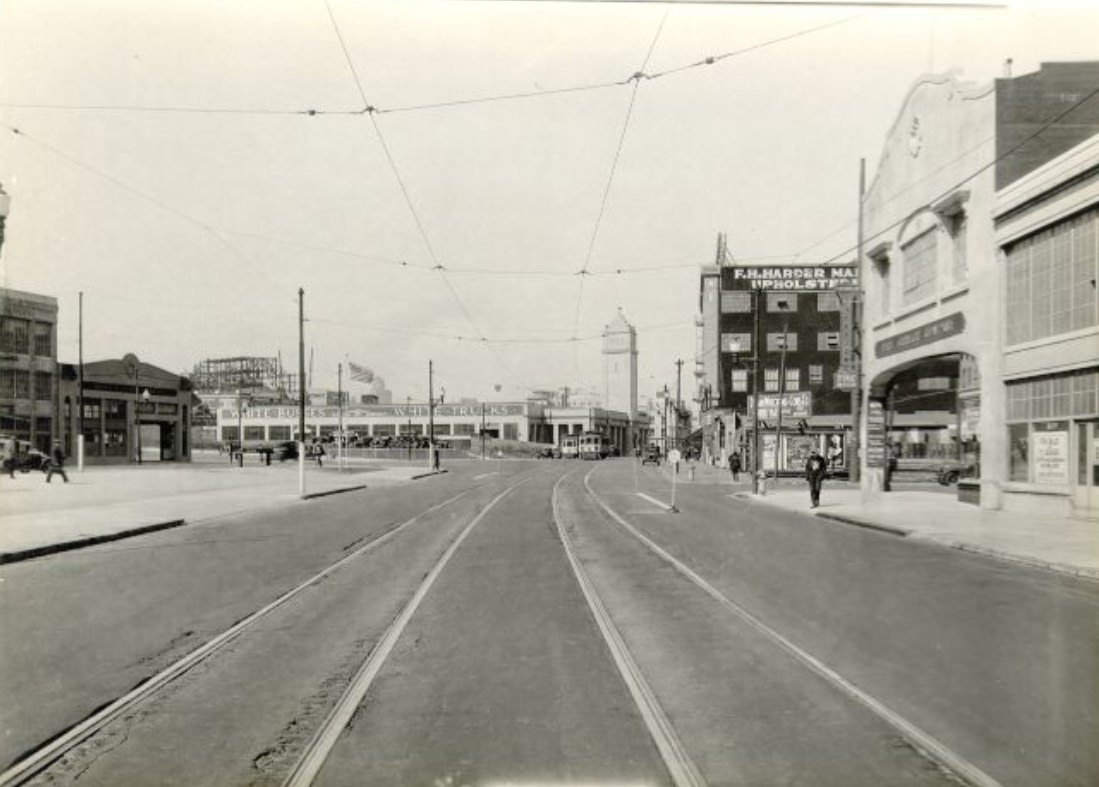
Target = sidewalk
(107,503)
(928,512)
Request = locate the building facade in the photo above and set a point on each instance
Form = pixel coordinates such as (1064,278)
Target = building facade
(28,362)
(934,313)
(133,412)
(778,340)
(1047,238)
(620,375)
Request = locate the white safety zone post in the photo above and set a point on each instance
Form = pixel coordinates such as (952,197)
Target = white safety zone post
(673,460)
(499,461)
(80,453)
(301,468)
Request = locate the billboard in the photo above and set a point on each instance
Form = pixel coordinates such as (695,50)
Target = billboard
(795,405)
(796,278)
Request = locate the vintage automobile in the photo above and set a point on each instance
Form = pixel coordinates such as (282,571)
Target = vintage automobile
(651,457)
(950,471)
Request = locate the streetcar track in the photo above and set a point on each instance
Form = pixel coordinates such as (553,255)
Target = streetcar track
(68,740)
(925,743)
(677,760)
(324,740)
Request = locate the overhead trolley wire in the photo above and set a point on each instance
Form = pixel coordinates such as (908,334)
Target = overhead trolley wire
(164,206)
(370,111)
(710,60)
(636,79)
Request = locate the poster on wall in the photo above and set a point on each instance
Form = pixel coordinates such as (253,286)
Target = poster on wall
(768,453)
(798,448)
(875,434)
(1049,453)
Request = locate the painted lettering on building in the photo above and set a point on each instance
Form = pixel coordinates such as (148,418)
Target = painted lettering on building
(938,330)
(792,277)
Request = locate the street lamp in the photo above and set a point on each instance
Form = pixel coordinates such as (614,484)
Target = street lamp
(145,396)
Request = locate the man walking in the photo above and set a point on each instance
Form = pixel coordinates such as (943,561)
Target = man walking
(814,472)
(734,465)
(57,462)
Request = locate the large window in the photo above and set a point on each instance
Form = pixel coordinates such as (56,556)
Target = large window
(828,302)
(43,339)
(816,374)
(776,340)
(463,429)
(793,379)
(511,431)
(255,433)
(278,432)
(14,335)
(738,381)
(782,302)
(959,226)
(22,384)
(829,341)
(920,267)
(1050,280)
(736,302)
(736,343)
(770,380)
(43,386)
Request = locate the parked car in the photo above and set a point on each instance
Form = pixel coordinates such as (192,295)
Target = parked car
(950,471)
(284,451)
(651,457)
(25,456)
(545,453)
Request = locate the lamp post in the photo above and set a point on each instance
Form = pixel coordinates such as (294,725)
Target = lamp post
(145,396)
(408,412)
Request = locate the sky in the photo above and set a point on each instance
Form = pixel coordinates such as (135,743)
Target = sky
(190,164)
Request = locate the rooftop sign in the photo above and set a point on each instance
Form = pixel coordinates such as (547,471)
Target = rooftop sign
(790,277)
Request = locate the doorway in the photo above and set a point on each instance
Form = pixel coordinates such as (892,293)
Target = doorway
(1086,491)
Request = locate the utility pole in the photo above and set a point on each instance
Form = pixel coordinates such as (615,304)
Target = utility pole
(756,462)
(854,470)
(781,395)
(301,391)
(678,398)
(482,431)
(408,412)
(430,416)
(339,398)
(80,391)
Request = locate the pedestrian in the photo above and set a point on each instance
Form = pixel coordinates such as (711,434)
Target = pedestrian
(57,462)
(734,465)
(9,456)
(815,468)
(320,454)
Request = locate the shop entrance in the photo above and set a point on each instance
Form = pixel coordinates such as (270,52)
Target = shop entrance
(1086,491)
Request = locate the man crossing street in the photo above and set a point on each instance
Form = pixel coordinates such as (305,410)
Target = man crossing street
(814,472)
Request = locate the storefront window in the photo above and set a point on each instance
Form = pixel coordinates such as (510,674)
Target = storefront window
(14,335)
(114,442)
(254,433)
(511,431)
(463,429)
(283,432)
(1018,439)
(229,433)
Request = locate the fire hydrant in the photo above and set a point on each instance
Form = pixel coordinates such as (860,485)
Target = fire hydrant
(761,483)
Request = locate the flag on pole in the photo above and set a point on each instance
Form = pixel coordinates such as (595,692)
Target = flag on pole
(360,374)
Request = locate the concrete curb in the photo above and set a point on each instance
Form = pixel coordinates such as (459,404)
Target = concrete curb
(962,546)
(313,495)
(80,543)
(1078,572)
(848,520)
(428,473)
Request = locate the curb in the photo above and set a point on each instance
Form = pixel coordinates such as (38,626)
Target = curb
(1079,572)
(80,543)
(313,495)
(894,531)
(1031,562)
(428,473)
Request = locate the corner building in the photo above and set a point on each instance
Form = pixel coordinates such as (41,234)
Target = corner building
(936,313)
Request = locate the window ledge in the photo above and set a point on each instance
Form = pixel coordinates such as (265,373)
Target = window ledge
(1021,487)
(956,291)
(1058,338)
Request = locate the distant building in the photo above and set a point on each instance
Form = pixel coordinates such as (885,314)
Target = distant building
(132,412)
(28,362)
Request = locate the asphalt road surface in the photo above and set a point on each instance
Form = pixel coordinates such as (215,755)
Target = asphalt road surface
(553,623)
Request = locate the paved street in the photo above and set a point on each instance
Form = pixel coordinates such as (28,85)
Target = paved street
(550,623)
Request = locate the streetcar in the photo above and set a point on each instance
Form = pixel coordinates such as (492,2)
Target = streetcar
(569,449)
(593,446)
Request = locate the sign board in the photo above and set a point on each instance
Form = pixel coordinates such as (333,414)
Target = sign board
(798,404)
(384,410)
(875,434)
(1049,453)
(674,456)
(844,380)
(789,277)
(934,331)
